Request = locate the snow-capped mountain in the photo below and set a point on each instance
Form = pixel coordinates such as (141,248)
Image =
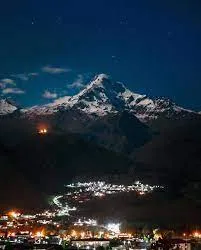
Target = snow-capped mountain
(6,107)
(104,96)
(105,112)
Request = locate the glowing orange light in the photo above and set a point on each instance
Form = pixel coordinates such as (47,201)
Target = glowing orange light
(82,234)
(73,233)
(13,214)
(43,131)
(39,234)
(197,234)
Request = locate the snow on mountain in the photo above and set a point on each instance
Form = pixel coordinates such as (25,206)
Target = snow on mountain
(6,107)
(48,109)
(103,96)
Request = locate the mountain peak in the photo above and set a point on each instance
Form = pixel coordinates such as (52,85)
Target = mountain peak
(99,81)
(101,77)
(104,96)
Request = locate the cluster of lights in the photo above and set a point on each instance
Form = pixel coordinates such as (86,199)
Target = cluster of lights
(83,191)
(82,234)
(103,233)
(16,222)
(62,209)
(113,227)
(79,192)
(197,234)
(89,222)
(14,214)
(33,227)
(40,235)
(42,131)
(47,214)
(100,188)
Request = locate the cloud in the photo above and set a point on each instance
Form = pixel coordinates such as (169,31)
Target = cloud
(12,91)
(25,76)
(33,74)
(78,83)
(55,70)
(8,81)
(49,95)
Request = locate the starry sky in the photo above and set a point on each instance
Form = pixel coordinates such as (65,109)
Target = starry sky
(53,48)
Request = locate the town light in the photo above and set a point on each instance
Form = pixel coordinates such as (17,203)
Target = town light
(73,233)
(43,131)
(39,234)
(101,233)
(13,214)
(113,227)
(82,234)
(197,234)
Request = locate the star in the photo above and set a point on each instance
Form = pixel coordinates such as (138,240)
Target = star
(33,21)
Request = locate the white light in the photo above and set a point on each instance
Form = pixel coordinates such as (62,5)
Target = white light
(113,227)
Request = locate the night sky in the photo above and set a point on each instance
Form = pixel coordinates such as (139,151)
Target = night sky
(52,48)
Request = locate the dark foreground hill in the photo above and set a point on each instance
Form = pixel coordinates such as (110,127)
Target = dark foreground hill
(42,164)
(174,159)
(15,189)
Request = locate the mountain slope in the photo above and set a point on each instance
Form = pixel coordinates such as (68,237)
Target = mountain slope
(103,96)
(121,132)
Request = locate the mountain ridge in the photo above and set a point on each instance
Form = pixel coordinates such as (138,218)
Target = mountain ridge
(103,96)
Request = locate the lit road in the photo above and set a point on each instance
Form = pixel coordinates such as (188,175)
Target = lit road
(82,191)
(62,209)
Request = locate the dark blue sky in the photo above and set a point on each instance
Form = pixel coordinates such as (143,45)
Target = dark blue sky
(154,47)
